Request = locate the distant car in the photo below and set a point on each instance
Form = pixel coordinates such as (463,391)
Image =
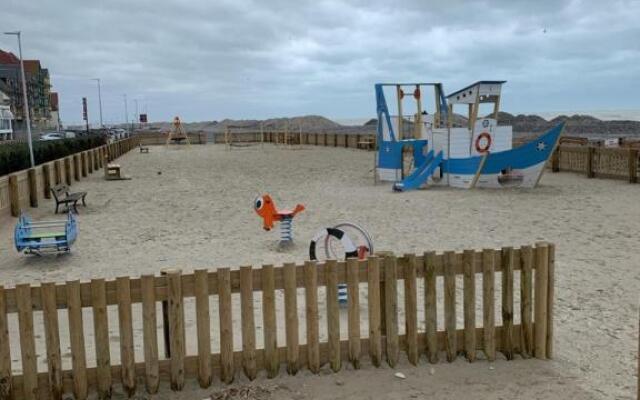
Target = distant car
(52,136)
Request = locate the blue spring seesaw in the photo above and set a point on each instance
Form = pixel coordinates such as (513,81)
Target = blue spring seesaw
(34,237)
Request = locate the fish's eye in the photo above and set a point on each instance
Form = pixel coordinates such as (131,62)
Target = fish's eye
(258,204)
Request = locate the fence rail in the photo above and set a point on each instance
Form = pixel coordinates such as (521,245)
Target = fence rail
(598,162)
(390,286)
(24,189)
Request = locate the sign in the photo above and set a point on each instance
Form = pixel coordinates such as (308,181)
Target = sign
(143,118)
(84,109)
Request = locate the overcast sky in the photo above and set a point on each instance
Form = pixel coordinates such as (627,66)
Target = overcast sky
(209,60)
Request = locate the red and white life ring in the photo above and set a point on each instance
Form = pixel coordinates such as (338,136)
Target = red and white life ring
(483,148)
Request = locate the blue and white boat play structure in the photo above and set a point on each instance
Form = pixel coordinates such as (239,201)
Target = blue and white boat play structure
(479,154)
(35,237)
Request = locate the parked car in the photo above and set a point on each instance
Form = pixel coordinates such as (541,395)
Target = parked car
(52,136)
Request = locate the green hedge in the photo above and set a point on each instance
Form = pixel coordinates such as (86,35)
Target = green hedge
(15,156)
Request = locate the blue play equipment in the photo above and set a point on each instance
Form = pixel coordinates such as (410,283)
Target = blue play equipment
(421,174)
(34,237)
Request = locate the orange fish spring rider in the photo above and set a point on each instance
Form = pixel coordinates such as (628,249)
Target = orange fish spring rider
(266,208)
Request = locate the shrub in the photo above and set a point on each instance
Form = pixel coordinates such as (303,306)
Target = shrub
(15,156)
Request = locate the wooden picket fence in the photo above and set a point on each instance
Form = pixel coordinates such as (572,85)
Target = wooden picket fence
(23,189)
(598,162)
(383,279)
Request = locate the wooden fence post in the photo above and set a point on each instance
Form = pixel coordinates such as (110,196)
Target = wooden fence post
(507,260)
(227,370)
(272,362)
(176,328)
(430,306)
(590,156)
(27,342)
(6,390)
(33,187)
(333,314)
(76,167)
(469,304)
(165,323)
(150,333)
(411,309)
(67,170)
(488,310)
(46,181)
(311,305)
(203,326)
(540,296)
(90,161)
(353,305)
(14,196)
(57,172)
(248,323)
(391,309)
(83,163)
(125,324)
(76,339)
(101,337)
(633,166)
(450,264)
(375,344)
(291,317)
(526,298)
(550,298)
(52,339)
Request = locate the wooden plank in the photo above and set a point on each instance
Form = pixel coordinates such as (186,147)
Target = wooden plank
(46,181)
(176,328)
(83,163)
(430,308)
(311,305)
(57,172)
(14,195)
(203,326)
(526,301)
(375,335)
(226,325)
(272,362)
(353,307)
(67,171)
(488,303)
(291,317)
(101,337)
(411,309)
(90,160)
(76,167)
(540,296)
(391,310)
(469,304)
(33,187)
(451,261)
(248,323)
(633,167)
(551,298)
(150,333)
(125,324)
(27,342)
(76,339)
(6,389)
(507,301)
(52,339)
(333,314)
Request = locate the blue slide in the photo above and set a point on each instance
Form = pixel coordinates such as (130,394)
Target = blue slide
(421,174)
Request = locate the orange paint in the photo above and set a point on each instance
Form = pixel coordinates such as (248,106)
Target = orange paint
(266,208)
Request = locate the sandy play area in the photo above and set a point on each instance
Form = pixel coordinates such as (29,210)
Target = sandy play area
(192,208)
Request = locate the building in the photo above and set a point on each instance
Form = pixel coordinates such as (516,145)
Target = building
(38,92)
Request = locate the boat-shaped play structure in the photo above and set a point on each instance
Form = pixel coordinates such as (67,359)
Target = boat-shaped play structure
(421,149)
(35,237)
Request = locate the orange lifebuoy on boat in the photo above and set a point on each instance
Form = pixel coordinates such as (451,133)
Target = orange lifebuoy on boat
(483,149)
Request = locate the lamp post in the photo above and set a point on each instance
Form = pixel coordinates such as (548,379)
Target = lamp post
(126,112)
(25,100)
(99,100)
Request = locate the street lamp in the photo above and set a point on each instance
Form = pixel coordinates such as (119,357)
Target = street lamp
(25,100)
(126,112)
(99,100)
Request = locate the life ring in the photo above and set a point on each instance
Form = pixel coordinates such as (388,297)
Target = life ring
(483,149)
(350,249)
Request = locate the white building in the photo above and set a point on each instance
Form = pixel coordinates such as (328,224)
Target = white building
(6,130)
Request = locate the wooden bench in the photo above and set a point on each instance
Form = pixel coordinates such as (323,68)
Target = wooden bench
(143,149)
(62,195)
(366,144)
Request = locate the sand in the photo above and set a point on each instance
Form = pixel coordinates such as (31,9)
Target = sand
(192,208)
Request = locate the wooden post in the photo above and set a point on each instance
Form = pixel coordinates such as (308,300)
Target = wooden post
(227,367)
(14,196)
(633,166)
(27,342)
(311,304)
(76,167)
(6,390)
(540,296)
(488,313)
(248,323)
(333,314)
(203,326)
(271,360)
(67,170)
(507,301)
(375,344)
(450,264)
(353,306)
(430,306)
(125,324)
(526,299)
(411,309)
(76,339)
(590,156)
(52,339)
(468,258)
(46,181)
(551,298)
(83,163)
(555,160)
(101,335)
(90,161)
(57,172)
(291,316)
(33,187)
(150,334)
(176,328)
(391,309)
